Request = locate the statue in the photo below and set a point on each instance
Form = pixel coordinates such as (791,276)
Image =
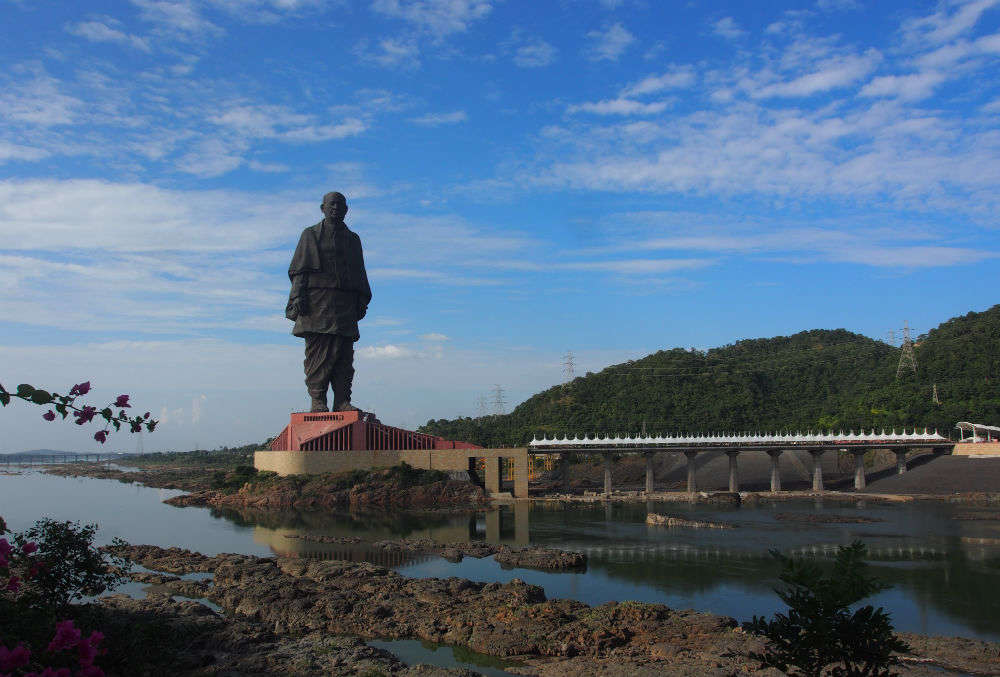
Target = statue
(330,294)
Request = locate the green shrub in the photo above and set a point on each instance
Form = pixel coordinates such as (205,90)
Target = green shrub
(820,630)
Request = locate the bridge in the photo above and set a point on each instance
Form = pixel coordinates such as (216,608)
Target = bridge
(855,443)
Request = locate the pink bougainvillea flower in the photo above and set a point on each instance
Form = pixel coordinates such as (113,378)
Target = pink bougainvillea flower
(101,436)
(49,415)
(67,637)
(80,388)
(85,415)
(145,416)
(122,402)
(14,658)
(29,548)
(14,584)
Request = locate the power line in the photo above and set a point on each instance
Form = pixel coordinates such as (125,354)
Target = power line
(480,405)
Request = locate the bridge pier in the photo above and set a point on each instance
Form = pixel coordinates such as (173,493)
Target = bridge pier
(775,455)
(900,461)
(564,470)
(692,485)
(607,474)
(649,473)
(817,469)
(859,470)
(734,472)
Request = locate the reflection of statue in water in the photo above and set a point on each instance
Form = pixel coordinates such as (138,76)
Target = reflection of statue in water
(330,293)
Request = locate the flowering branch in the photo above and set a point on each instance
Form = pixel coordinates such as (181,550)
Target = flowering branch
(66,404)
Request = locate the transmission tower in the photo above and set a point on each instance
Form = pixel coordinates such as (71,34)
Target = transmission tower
(934,398)
(907,358)
(481,405)
(569,365)
(499,403)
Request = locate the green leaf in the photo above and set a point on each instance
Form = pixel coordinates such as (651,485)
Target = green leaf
(41,397)
(4,398)
(106,413)
(61,408)
(117,424)
(24,390)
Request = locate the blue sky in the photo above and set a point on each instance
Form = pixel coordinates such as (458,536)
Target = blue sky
(609,177)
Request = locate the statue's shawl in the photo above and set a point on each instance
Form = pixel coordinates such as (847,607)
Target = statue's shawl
(306,258)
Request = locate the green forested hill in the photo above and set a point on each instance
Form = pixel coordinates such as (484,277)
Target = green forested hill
(816,379)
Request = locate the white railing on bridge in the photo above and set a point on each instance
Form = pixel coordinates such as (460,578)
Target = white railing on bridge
(747,439)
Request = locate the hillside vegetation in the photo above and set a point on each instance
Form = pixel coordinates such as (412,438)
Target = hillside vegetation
(818,379)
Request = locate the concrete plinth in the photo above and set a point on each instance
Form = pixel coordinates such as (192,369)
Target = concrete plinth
(649,473)
(900,462)
(817,469)
(775,472)
(734,472)
(692,485)
(607,474)
(859,470)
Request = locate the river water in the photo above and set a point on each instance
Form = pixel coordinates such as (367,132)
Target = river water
(943,560)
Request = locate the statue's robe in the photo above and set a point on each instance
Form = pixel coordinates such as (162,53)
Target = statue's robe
(330,290)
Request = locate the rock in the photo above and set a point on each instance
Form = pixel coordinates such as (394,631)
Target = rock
(721,498)
(539,558)
(822,518)
(668,521)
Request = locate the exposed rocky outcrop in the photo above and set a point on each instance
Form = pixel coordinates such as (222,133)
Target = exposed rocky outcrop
(532,557)
(668,521)
(290,607)
(819,518)
(218,645)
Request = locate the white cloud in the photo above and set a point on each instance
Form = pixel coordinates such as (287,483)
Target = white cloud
(678,77)
(833,73)
(912,87)
(13,151)
(727,27)
(38,101)
(387,351)
(100,31)
(435,337)
(181,18)
(619,107)
(610,43)
(438,119)
(534,54)
(391,52)
(278,122)
(954,18)
(438,17)
(838,5)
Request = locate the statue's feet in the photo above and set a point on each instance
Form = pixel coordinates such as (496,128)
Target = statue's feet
(318,405)
(345,406)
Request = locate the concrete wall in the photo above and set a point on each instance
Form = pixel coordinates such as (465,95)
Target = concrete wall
(316,462)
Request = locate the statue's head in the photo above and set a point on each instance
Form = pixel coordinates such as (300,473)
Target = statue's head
(334,206)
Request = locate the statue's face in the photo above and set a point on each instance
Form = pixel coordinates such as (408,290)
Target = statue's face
(334,209)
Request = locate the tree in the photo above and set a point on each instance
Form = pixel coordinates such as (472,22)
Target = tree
(820,630)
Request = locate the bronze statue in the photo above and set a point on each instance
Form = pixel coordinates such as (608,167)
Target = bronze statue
(330,293)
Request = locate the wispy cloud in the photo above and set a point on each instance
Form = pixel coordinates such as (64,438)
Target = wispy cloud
(610,43)
(440,18)
(534,54)
(619,107)
(106,30)
(438,119)
(727,28)
(677,77)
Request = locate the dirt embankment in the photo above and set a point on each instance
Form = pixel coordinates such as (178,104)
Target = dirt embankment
(308,600)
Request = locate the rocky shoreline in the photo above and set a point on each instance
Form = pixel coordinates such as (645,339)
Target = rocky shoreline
(303,616)
(508,557)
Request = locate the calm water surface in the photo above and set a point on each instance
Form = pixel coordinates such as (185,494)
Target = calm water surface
(945,571)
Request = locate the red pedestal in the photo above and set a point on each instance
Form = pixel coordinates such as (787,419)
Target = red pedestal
(353,431)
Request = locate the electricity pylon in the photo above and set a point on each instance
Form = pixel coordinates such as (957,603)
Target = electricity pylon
(569,365)
(907,358)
